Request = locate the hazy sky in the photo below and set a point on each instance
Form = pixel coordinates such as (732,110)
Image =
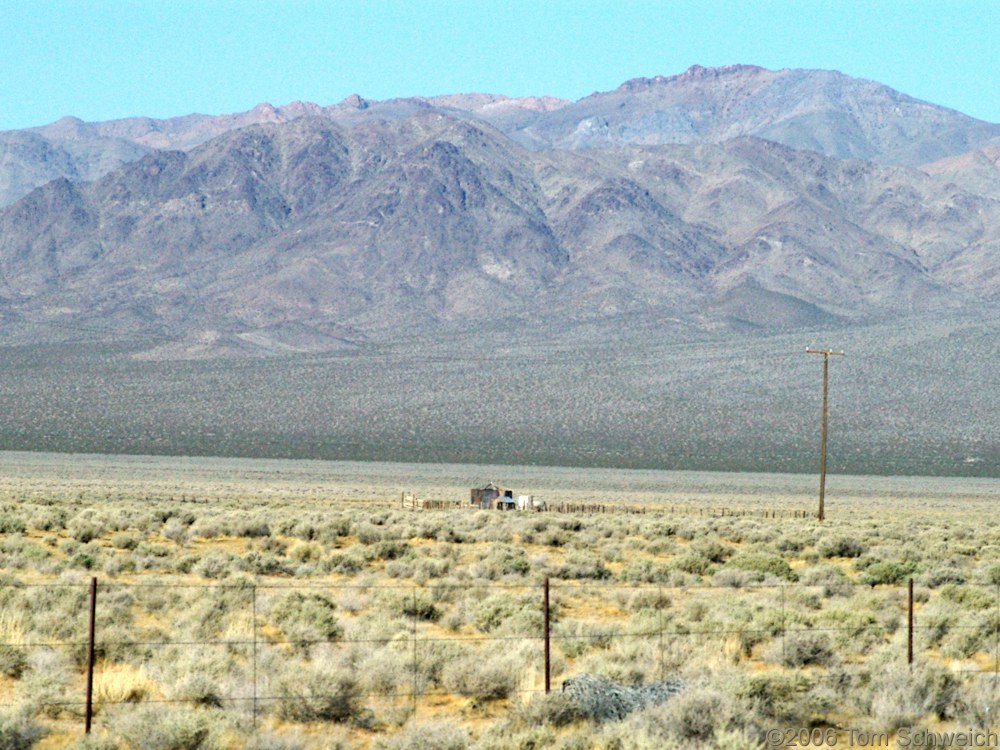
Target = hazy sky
(104,59)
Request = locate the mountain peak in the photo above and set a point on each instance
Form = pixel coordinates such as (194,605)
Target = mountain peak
(354,101)
(697,72)
(694,73)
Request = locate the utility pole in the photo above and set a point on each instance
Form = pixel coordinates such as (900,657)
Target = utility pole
(827,353)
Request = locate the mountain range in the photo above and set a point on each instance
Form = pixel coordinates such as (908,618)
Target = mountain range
(715,197)
(720,208)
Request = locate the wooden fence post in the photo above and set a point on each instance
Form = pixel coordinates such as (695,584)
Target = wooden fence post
(89,712)
(548,672)
(909,626)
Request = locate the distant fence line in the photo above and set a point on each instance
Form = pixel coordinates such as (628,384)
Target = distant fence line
(412,502)
(549,595)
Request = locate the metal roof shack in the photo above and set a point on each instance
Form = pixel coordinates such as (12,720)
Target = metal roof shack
(492,496)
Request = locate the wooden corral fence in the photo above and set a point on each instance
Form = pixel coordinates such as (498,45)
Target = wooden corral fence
(411,501)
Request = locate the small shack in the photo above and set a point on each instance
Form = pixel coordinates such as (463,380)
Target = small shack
(492,496)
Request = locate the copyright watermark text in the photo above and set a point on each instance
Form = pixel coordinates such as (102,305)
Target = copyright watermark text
(905,737)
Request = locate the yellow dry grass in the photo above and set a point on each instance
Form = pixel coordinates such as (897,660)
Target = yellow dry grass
(122,683)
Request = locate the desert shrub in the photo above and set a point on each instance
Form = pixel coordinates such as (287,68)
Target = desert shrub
(250,528)
(554,709)
(347,563)
(175,531)
(87,526)
(648,598)
(153,727)
(13,660)
(804,648)
(581,566)
(510,612)
(691,562)
(198,689)
(304,552)
(577,638)
(900,696)
(19,730)
(319,696)
(503,560)
(389,550)
(10,524)
(696,715)
(266,740)
(970,597)
(855,628)
(841,546)
(774,695)
(367,533)
(263,564)
(762,565)
(830,577)
(214,564)
(439,735)
(941,575)
(712,549)
(644,570)
(48,519)
(85,559)
(733,578)
(991,575)
(887,572)
(93,742)
(382,670)
(307,617)
(484,678)
(504,736)
(415,603)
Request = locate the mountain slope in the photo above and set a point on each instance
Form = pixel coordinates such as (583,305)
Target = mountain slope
(306,234)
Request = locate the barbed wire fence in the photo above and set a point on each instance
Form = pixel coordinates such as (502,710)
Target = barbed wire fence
(572,605)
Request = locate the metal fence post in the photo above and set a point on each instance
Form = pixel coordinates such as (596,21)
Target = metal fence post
(90,655)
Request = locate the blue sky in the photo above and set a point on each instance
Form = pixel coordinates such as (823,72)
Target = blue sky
(104,59)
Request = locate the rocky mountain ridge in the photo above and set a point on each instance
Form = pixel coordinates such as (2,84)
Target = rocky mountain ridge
(824,111)
(306,235)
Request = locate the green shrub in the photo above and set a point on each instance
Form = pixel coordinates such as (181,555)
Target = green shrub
(692,563)
(762,564)
(644,570)
(214,564)
(19,731)
(13,661)
(841,546)
(415,604)
(315,696)
(697,714)
(774,695)
(888,572)
(552,709)
(166,728)
(482,678)
(970,597)
(712,550)
(801,649)
(307,617)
